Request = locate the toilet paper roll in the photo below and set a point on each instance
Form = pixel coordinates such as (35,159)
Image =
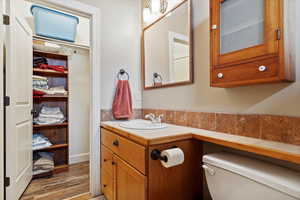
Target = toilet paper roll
(174,156)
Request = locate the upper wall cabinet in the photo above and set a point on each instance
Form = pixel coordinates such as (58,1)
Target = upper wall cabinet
(247,43)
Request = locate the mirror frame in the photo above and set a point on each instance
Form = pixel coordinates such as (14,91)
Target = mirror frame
(191,49)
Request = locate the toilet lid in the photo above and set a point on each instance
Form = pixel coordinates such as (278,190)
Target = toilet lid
(279,178)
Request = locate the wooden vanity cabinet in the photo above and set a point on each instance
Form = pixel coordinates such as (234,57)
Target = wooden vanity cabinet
(180,182)
(122,168)
(247,43)
(129,173)
(130,183)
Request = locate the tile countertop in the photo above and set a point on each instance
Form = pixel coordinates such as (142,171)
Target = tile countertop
(172,133)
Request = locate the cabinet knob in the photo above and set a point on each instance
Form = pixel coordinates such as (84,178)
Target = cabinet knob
(113,163)
(116,143)
(104,160)
(214,27)
(220,75)
(262,68)
(104,186)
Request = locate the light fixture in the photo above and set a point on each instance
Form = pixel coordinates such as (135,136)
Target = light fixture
(147,15)
(159,6)
(155,6)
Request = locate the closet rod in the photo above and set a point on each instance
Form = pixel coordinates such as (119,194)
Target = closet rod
(61,42)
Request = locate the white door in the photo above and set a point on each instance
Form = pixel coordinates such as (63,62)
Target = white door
(19,88)
(1,104)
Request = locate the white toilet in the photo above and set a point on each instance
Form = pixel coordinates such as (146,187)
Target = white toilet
(234,177)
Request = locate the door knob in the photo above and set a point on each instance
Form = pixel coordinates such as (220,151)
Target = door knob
(220,75)
(116,143)
(262,68)
(33,112)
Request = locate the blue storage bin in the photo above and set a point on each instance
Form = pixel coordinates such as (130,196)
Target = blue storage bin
(54,24)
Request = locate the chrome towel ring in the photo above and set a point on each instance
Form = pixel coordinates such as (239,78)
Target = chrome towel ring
(122,73)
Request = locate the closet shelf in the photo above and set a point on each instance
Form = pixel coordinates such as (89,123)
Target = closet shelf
(60,42)
(56,146)
(65,124)
(44,72)
(51,98)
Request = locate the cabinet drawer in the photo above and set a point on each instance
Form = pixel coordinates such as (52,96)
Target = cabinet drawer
(247,73)
(131,152)
(107,186)
(106,160)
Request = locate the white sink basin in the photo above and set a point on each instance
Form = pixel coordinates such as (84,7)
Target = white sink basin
(142,125)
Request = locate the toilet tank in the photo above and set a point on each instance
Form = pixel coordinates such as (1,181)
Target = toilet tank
(235,177)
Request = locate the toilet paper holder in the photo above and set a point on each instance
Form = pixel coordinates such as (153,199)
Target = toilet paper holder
(156,155)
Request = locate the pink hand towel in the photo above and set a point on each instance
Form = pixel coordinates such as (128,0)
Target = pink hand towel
(122,105)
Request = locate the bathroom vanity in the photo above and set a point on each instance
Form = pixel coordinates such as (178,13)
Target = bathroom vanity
(129,172)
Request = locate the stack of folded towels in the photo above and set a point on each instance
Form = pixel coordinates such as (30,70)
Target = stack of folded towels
(39,82)
(39,141)
(42,162)
(41,87)
(49,115)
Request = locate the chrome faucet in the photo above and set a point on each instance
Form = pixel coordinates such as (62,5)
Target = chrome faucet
(153,118)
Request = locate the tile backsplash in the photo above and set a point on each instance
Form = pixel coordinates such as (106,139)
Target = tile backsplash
(107,115)
(268,127)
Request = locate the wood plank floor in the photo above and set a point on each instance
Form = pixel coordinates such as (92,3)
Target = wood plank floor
(60,186)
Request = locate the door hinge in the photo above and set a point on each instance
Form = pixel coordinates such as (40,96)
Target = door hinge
(278,34)
(6,20)
(6,181)
(6,101)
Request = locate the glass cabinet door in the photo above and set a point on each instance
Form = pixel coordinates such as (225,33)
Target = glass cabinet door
(242,24)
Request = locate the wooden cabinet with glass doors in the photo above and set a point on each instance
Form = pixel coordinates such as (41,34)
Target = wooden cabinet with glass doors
(247,43)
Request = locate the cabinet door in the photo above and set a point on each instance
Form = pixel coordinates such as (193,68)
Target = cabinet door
(130,184)
(183,182)
(107,173)
(243,29)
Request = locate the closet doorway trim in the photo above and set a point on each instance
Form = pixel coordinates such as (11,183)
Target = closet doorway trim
(93,13)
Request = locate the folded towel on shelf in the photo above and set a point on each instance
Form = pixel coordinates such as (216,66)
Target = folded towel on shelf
(36,77)
(38,93)
(50,110)
(43,162)
(39,141)
(47,121)
(49,115)
(58,68)
(37,60)
(39,82)
(52,91)
(52,116)
(58,90)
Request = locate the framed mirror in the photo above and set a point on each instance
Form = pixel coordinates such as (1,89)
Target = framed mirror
(167,51)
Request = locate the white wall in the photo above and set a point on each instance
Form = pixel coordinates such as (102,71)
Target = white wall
(83,30)
(79,106)
(278,99)
(120,46)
